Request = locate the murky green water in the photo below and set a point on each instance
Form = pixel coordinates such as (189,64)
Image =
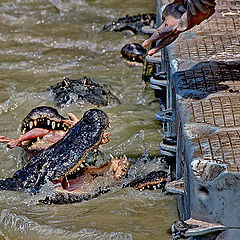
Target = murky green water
(41,43)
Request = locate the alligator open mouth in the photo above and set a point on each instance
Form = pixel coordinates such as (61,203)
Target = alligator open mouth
(154,180)
(91,182)
(80,180)
(44,122)
(43,127)
(40,129)
(134,53)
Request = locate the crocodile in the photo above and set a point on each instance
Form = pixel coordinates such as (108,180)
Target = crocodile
(132,24)
(81,91)
(64,164)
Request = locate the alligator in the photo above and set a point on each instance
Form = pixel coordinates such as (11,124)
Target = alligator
(64,164)
(81,91)
(132,24)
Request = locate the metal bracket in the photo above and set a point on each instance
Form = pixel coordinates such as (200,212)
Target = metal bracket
(168,146)
(175,187)
(165,115)
(160,76)
(157,84)
(159,81)
(192,227)
(201,228)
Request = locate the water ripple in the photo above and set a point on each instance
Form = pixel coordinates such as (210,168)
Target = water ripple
(14,226)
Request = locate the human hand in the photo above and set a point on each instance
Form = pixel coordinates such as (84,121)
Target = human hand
(177,18)
(194,5)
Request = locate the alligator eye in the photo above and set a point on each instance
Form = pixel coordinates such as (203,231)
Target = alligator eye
(65,83)
(95,115)
(90,116)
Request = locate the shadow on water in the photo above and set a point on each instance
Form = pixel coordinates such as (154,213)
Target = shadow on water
(41,43)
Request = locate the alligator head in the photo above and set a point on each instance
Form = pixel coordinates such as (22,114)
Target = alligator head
(134,53)
(63,158)
(40,129)
(81,91)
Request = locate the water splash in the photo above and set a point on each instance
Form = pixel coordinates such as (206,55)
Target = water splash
(136,143)
(17,100)
(65,6)
(140,136)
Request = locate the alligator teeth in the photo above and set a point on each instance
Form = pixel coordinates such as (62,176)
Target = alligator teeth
(24,183)
(58,125)
(53,125)
(31,125)
(154,187)
(159,185)
(48,122)
(64,126)
(78,169)
(35,123)
(82,166)
(38,138)
(24,131)
(140,189)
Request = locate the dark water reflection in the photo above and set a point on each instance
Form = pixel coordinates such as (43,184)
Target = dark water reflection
(41,43)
